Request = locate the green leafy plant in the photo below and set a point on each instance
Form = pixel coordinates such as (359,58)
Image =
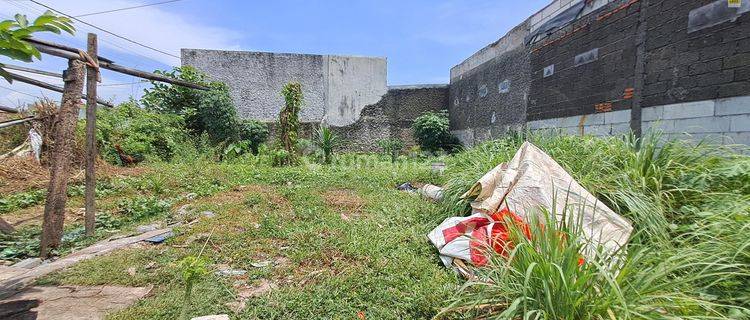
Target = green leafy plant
(432,132)
(237,149)
(289,121)
(210,112)
(392,147)
(140,133)
(22,200)
(13,33)
(326,140)
(280,157)
(255,132)
(141,208)
(192,269)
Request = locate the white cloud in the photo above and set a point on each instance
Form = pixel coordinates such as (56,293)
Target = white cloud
(154,26)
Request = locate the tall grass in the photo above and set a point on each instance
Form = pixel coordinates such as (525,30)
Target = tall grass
(544,278)
(690,254)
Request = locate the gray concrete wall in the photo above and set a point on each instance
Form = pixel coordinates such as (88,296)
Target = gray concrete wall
(721,121)
(336,88)
(725,120)
(600,124)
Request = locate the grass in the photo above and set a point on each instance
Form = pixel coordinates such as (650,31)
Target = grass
(687,260)
(341,240)
(376,260)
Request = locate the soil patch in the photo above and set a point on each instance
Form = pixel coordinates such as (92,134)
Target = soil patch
(345,202)
(74,302)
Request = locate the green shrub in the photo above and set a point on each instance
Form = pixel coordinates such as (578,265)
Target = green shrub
(326,140)
(255,133)
(210,112)
(237,149)
(140,133)
(391,147)
(280,157)
(432,132)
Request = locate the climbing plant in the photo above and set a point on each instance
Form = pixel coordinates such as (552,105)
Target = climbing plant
(289,121)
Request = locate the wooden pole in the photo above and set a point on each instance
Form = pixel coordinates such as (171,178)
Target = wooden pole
(60,47)
(118,68)
(51,87)
(64,135)
(92,77)
(8,109)
(31,70)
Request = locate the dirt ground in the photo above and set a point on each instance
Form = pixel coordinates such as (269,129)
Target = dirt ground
(22,174)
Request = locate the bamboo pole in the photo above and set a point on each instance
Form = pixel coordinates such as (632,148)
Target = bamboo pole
(92,77)
(8,109)
(61,47)
(118,68)
(15,122)
(32,70)
(51,87)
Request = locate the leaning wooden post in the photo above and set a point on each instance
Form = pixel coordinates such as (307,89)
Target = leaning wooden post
(92,77)
(63,135)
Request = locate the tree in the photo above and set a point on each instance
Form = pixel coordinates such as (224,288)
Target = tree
(14,32)
(212,111)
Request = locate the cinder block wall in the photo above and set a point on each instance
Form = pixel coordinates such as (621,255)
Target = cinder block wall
(393,116)
(695,76)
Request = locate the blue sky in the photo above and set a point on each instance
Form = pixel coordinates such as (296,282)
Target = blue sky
(422,39)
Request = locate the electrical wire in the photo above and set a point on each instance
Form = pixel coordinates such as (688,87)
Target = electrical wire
(105,31)
(125,49)
(127,8)
(21,92)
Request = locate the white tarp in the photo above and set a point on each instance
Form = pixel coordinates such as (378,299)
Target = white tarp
(530,181)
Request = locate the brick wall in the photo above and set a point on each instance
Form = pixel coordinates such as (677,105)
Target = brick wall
(695,79)
(393,116)
(593,61)
(711,63)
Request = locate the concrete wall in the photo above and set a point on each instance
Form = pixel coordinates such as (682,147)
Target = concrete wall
(336,88)
(600,124)
(725,121)
(722,121)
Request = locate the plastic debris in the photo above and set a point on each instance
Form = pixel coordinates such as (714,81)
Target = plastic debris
(529,184)
(407,187)
(160,238)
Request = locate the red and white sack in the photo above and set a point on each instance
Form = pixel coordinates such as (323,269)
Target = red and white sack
(530,181)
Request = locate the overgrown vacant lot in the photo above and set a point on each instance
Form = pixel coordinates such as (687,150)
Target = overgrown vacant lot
(341,239)
(331,241)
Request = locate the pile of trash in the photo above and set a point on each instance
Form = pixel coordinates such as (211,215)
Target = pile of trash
(519,191)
